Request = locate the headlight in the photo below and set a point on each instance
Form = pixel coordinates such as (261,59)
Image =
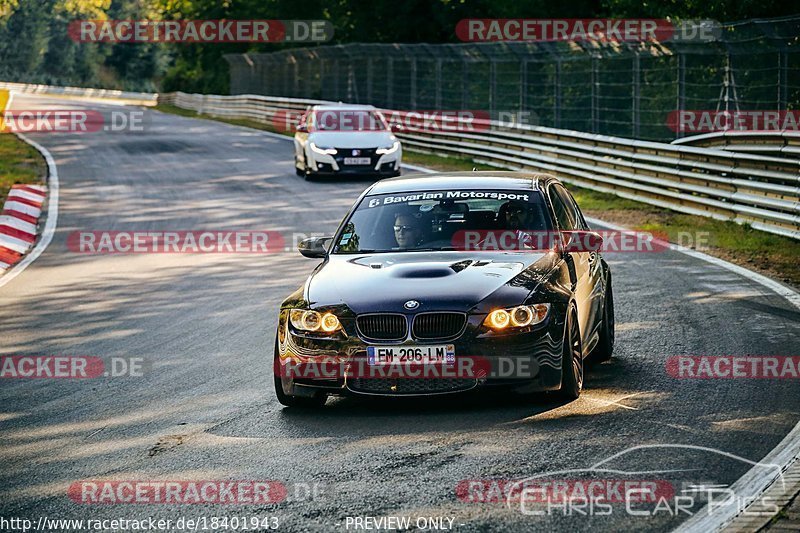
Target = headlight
(313,321)
(390,150)
(517,317)
(326,151)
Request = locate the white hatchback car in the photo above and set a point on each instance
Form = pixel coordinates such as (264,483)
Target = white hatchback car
(334,140)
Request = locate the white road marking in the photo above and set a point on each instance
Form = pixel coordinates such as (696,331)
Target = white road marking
(757,480)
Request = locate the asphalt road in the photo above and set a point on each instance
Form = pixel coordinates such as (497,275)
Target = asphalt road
(205,325)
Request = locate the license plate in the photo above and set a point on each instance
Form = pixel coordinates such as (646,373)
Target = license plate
(411,355)
(357,161)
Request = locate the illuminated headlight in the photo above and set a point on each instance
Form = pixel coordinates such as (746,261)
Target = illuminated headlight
(324,151)
(313,321)
(390,150)
(517,317)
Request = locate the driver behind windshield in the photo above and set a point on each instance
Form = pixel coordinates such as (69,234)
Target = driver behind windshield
(407,231)
(516,215)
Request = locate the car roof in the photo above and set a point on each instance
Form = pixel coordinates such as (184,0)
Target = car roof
(463,180)
(354,107)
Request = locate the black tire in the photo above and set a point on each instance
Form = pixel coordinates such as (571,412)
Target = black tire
(310,402)
(605,346)
(572,360)
(297,170)
(305,173)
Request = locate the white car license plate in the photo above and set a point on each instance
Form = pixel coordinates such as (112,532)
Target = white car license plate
(357,161)
(411,355)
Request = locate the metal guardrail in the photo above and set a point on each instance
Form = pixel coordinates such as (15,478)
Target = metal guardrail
(82,92)
(777,143)
(759,190)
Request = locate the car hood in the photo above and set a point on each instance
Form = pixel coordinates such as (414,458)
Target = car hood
(352,139)
(453,281)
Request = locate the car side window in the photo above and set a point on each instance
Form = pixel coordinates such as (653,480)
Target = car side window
(573,209)
(563,216)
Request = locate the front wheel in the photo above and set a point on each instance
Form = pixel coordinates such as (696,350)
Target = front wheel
(309,402)
(572,360)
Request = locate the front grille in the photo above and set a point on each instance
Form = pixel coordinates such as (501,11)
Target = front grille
(384,327)
(363,152)
(428,326)
(410,386)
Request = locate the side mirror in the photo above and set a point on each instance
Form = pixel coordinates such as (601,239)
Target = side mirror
(396,127)
(581,241)
(315,247)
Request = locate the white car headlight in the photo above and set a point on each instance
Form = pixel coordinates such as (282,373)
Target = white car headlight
(390,150)
(313,321)
(518,317)
(319,150)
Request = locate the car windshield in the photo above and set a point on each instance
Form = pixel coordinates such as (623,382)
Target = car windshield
(437,220)
(348,120)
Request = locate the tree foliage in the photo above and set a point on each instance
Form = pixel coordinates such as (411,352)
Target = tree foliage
(34,45)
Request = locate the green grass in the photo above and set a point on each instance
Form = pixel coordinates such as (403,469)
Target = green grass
(19,163)
(444,164)
(590,200)
(771,254)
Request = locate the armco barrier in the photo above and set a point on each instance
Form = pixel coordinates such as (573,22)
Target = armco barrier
(759,190)
(778,143)
(79,92)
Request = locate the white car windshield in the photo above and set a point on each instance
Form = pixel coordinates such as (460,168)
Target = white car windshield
(348,120)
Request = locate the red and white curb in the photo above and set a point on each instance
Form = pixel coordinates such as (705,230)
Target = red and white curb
(22,213)
(19,221)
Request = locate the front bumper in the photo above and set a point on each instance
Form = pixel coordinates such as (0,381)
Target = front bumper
(333,165)
(523,362)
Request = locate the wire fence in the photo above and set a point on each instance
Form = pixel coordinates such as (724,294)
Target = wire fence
(622,89)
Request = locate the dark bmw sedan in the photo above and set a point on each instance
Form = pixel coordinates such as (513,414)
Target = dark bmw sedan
(440,284)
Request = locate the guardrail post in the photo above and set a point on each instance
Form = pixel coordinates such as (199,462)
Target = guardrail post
(389,82)
(783,71)
(336,88)
(438,83)
(295,78)
(681,102)
(321,77)
(523,85)
(492,87)
(413,92)
(286,91)
(464,83)
(636,67)
(370,67)
(595,97)
(557,95)
(352,88)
